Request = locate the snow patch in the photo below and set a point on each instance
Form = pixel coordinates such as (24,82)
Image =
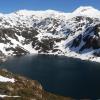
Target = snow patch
(5,79)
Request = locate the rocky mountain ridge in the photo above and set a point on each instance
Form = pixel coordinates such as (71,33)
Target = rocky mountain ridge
(75,34)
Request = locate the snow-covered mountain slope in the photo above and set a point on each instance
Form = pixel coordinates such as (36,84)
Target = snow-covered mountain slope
(87,11)
(75,34)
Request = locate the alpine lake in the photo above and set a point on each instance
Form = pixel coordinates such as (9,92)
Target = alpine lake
(58,74)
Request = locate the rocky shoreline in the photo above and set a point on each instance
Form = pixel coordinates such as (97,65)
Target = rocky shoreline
(24,89)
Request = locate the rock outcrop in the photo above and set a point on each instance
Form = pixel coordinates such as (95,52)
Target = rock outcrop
(24,89)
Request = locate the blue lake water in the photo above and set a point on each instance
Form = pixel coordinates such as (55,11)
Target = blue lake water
(61,75)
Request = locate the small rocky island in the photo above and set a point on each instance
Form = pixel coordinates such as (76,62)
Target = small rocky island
(16,87)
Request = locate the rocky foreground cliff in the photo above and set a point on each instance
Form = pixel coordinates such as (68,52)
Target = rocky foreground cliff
(15,87)
(75,34)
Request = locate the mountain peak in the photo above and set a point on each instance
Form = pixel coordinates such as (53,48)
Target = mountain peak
(87,11)
(83,9)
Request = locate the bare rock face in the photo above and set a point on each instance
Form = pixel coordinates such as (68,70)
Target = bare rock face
(89,39)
